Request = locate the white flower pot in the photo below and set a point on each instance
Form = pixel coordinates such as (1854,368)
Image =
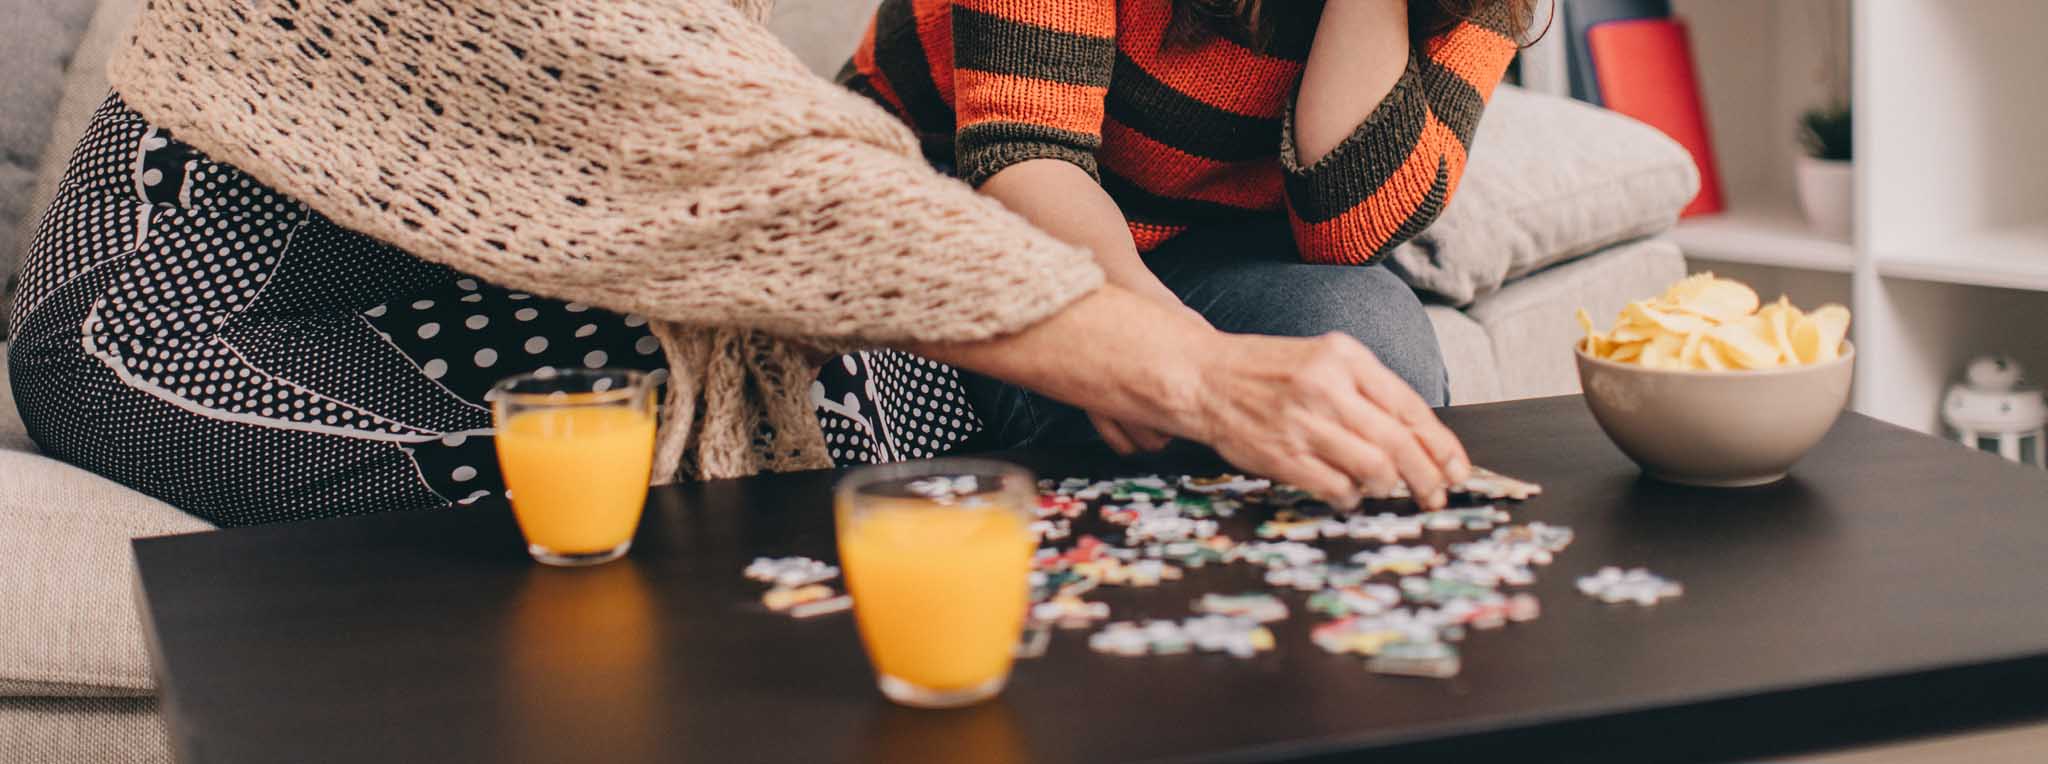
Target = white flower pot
(1827,190)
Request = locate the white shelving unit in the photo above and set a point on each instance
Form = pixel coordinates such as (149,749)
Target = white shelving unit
(1766,235)
(1949,257)
(2007,258)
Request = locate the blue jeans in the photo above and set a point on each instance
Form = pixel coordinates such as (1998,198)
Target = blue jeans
(1246,278)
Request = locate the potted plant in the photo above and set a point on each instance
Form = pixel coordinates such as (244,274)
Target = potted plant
(1825,174)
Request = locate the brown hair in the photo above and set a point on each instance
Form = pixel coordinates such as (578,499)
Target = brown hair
(1250,22)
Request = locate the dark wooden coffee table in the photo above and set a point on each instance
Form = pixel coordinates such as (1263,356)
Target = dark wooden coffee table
(1894,585)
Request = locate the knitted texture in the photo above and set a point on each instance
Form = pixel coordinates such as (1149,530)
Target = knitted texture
(1393,176)
(65,730)
(663,157)
(1181,132)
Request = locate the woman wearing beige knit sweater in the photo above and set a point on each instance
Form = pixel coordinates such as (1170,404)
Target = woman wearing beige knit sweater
(295,248)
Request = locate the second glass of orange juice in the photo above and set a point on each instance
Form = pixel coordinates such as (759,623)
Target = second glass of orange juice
(577,448)
(937,557)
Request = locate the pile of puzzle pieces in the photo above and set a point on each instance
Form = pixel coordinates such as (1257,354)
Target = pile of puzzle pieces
(1405,625)
(1402,604)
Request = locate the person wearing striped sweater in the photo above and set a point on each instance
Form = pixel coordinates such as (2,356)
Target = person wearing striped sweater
(1236,159)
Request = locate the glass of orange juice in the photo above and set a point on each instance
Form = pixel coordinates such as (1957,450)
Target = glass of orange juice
(577,448)
(937,557)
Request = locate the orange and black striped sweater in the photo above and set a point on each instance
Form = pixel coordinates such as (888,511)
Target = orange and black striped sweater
(1179,134)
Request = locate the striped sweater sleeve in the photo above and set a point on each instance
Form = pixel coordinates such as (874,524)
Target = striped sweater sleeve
(1029,81)
(1393,176)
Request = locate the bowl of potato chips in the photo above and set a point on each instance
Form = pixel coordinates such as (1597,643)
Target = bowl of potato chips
(1707,385)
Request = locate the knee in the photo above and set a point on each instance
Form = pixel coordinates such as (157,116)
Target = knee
(1369,303)
(1378,309)
(1418,361)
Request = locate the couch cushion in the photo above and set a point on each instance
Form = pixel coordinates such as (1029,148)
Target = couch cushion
(1530,321)
(1550,179)
(1468,355)
(127,730)
(67,579)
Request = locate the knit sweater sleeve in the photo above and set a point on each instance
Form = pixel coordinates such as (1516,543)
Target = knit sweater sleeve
(1392,177)
(665,157)
(1029,81)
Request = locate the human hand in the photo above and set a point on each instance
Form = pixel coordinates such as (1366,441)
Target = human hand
(1324,414)
(1321,413)
(1127,438)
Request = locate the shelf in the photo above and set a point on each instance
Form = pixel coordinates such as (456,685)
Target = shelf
(1763,235)
(2007,258)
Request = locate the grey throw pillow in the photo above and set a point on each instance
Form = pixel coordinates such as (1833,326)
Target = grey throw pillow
(1550,179)
(36,46)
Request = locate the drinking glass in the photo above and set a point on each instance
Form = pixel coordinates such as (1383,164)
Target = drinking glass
(577,448)
(937,556)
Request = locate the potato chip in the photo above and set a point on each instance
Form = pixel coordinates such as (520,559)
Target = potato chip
(1779,317)
(1715,324)
(1626,333)
(1641,314)
(1720,299)
(1710,358)
(1689,354)
(1662,352)
(1818,336)
(1746,343)
(1595,343)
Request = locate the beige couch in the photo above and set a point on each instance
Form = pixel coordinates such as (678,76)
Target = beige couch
(1557,211)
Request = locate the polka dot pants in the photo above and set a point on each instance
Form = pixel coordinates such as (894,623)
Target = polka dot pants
(886,406)
(189,332)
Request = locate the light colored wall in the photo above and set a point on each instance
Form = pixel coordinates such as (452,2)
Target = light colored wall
(1761,63)
(823,32)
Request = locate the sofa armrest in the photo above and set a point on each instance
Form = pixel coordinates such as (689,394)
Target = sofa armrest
(1530,320)
(67,579)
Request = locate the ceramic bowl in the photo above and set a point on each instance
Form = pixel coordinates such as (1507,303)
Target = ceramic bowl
(1716,428)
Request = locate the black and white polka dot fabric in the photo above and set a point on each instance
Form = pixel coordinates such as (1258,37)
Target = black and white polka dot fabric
(189,332)
(886,405)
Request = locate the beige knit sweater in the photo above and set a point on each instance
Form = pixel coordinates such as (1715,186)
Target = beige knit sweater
(664,157)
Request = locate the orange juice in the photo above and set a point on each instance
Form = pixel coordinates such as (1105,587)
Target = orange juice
(939,591)
(577,474)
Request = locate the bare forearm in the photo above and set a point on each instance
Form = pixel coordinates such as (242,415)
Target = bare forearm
(1360,51)
(1064,201)
(1111,352)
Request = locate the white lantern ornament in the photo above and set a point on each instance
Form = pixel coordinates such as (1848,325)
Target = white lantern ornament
(1992,410)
